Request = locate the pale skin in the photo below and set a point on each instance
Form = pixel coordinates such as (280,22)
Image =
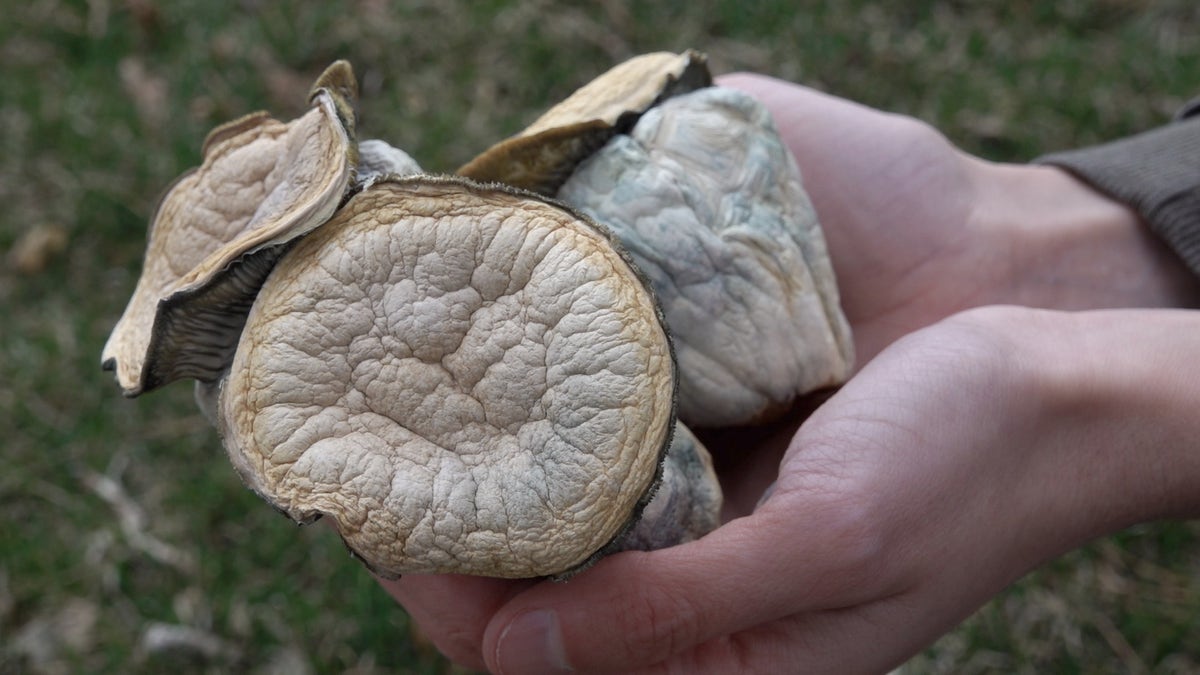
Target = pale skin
(1021,393)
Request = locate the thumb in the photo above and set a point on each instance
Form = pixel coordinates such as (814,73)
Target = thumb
(637,608)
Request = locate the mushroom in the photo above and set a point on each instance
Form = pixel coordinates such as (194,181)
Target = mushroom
(696,183)
(475,378)
(465,378)
(219,229)
(542,156)
(687,503)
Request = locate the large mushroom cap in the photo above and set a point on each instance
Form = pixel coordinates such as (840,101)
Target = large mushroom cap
(542,156)
(710,204)
(218,230)
(464,378)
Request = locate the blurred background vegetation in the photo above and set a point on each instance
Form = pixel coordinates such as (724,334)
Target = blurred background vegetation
(126,542)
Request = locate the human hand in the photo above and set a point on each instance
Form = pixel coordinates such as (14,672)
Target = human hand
(960,458)
(918,230)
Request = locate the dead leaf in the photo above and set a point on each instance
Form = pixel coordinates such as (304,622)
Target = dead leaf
(165,638)
(147,90)
(35,249)
(48,637)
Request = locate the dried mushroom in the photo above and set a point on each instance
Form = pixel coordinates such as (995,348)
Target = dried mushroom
(708,201)
(542,156)
(218,230)
(702,192)
(687,503)
(466,379)
(469,377)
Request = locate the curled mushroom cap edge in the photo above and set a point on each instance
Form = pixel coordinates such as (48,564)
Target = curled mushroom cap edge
(209,248)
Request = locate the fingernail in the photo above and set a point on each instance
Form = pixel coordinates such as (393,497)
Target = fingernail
(532,644)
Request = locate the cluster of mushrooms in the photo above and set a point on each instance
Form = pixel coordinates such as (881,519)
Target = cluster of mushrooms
(490,373)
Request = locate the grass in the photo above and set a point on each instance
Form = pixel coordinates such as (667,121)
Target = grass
(104,103)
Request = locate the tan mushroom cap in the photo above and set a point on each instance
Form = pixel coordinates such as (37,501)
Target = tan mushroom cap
(542,156)
(465,378)
(218,230)
(710,204)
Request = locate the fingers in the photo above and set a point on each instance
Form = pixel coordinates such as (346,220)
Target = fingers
(454,610)
(641,608)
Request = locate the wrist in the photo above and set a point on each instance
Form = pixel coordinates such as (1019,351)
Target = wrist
(1070,247)
(1117,425)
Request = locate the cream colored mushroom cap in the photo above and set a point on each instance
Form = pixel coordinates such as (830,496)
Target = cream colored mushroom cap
(465,378)
(542,156)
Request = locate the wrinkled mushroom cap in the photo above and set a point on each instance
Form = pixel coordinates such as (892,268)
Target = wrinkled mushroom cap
(710,204)
(465,378)
(542,156)
(218,230)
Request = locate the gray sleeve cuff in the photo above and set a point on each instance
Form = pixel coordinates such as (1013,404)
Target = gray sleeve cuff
(1157,173)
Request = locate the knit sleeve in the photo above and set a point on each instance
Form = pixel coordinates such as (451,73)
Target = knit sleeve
(1157,173)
